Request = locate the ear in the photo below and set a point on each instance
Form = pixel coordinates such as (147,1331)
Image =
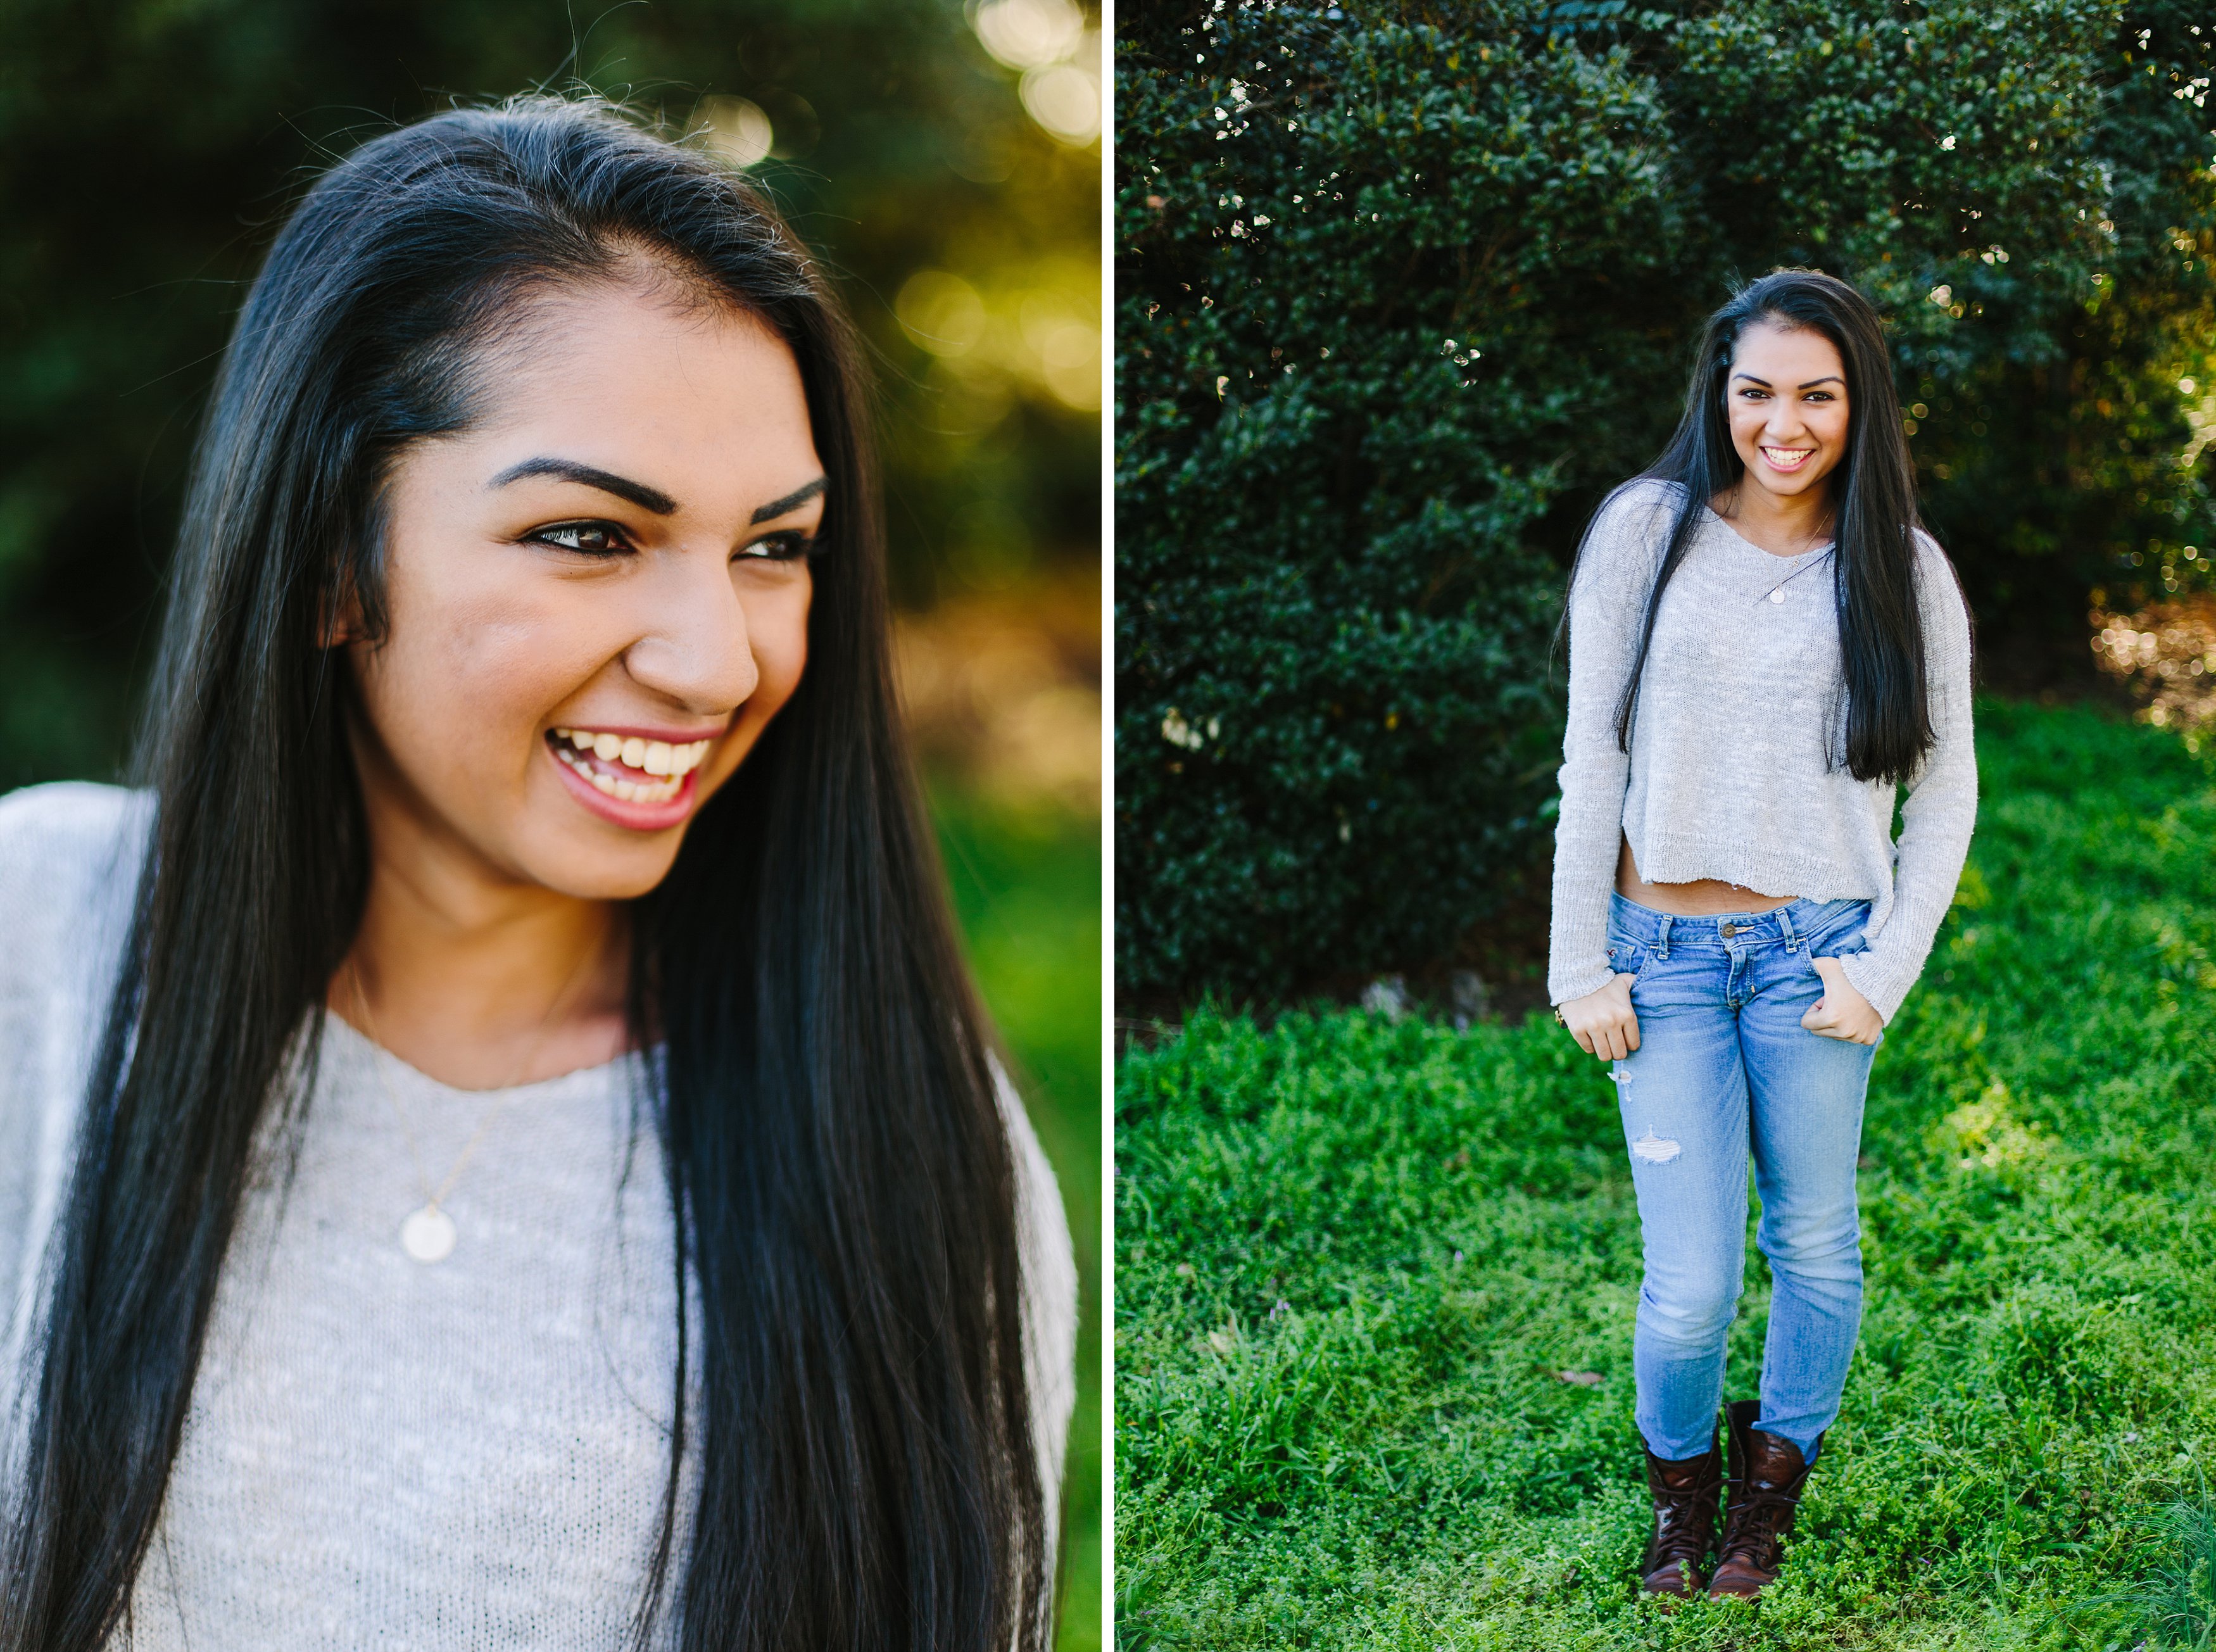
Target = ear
(341,621)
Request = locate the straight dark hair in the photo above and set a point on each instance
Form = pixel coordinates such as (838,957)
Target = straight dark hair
(1887,727)
(841,1180)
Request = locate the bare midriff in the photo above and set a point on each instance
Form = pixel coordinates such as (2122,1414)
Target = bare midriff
(1704,898)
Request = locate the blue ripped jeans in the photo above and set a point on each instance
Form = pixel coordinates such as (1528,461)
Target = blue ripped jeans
(1724,1066)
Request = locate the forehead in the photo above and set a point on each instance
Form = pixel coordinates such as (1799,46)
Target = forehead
(1785,355)
(701,400)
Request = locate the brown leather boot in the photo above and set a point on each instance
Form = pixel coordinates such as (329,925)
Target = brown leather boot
(1767,1473)
(1685,1496)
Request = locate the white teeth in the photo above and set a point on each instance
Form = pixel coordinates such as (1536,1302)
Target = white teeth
(656,757)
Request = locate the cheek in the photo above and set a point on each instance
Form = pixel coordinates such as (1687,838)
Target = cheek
(781,645)
(505,653)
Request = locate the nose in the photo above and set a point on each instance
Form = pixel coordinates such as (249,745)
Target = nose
(693,648)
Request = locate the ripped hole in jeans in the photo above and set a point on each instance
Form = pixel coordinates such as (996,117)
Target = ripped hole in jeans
(1655,1151)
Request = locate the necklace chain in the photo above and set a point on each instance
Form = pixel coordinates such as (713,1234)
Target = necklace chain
(433,1199)
(1801,565)
(428,1234)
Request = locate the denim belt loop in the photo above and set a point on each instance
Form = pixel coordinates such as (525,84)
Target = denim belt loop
(1662,940)
(1785,922)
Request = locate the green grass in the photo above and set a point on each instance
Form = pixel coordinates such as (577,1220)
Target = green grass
(1027,892)
(1352,1255)
(2176,1600)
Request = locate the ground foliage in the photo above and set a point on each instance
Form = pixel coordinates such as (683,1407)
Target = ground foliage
(1353,1255)
(1403,288)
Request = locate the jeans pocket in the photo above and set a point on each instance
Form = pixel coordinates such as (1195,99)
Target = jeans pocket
(1625,956)
(1843,939)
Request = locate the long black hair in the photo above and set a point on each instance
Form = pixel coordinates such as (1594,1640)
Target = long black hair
(843,1187)
(1887,727)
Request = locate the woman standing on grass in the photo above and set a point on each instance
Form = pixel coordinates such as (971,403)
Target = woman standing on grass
(498,1148)
(1763,645)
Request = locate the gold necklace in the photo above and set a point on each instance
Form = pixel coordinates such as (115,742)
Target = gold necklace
(428,1234)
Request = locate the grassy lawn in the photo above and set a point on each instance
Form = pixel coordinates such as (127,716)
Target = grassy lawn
(1353,1256)
(1027,891)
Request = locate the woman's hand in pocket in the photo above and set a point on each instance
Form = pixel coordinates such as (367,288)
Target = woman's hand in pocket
(1842,1012)
(1603,1022)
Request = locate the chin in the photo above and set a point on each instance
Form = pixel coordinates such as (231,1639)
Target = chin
(586,861)
(586,876)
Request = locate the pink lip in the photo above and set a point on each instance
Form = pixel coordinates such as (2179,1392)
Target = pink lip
(635,816)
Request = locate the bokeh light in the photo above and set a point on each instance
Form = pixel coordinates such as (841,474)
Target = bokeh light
(1050,44)
(1028,33)
(941,312)
(1064,98)
(734,128)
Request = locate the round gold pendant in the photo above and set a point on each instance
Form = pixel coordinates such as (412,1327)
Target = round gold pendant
(428,1234)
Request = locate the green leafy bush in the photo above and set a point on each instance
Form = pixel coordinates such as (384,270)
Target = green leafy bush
(1403,289)
(1375,1281)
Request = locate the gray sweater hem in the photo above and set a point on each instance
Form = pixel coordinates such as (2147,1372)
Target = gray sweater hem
(1733,771)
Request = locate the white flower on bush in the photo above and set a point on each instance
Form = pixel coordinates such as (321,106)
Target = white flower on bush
(1178,732)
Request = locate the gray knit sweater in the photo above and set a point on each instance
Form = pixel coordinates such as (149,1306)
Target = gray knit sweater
(466,1454)
(1732,771)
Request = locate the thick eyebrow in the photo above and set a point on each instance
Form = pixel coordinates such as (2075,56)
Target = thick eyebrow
(623,487)
(1828,378)
(793,501)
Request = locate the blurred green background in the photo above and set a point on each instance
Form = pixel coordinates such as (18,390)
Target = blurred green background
(945,162)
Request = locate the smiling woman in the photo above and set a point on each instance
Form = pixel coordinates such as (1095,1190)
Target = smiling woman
(1765,647)
(496,1145)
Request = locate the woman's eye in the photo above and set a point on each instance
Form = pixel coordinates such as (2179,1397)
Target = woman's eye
(588,538)
(781,548)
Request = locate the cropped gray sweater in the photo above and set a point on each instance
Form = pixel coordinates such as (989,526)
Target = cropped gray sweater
(469,1454)
(1733,770)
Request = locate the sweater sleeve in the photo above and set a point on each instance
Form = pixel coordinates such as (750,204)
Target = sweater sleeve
(1608,601)
(1049,1269)
(68,865)
(1940,807)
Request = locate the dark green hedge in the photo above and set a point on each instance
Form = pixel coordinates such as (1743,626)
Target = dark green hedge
(1401,290)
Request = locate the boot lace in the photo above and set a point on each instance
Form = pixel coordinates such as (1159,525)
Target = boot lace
(1681,1532)
(1750,1529)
